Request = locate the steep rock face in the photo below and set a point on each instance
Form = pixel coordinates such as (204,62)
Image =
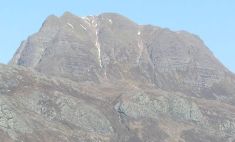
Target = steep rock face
(106,78)
(111,47)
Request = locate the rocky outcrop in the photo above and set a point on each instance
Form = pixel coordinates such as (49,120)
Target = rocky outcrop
(140,105)
(28,108)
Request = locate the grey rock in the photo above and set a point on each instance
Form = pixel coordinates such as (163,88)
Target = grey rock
(140,105)
(110,46)
(107,79)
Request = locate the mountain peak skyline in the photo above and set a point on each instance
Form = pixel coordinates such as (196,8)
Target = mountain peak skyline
(108,79)
(190,16)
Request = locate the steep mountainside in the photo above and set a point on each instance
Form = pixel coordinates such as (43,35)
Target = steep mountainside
(107,79)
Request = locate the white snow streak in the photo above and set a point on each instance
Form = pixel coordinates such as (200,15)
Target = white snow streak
(83,27)
(140,45)
(141,49)
(110,21)
(70,25)
(97,44)
(87,20)
(93,21)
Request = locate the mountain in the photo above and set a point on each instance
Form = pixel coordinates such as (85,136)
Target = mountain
(107,79)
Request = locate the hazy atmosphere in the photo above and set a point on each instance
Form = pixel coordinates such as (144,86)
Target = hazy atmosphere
(115,71)
(212,20)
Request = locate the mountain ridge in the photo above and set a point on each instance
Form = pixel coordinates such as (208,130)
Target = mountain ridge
(107,79)
(138,50)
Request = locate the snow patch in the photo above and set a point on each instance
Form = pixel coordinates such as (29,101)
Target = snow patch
(110,21)
(83,27)
(139,33)
(87,20)
(94,23)
(70,25)
(97,44)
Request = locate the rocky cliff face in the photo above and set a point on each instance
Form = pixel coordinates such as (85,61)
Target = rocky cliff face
(107,79)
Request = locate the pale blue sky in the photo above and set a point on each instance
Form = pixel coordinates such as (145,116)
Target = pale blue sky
(212,20)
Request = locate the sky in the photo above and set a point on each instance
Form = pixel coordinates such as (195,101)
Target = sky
(212,20)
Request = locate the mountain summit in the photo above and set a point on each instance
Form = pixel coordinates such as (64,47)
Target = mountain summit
(107,79)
